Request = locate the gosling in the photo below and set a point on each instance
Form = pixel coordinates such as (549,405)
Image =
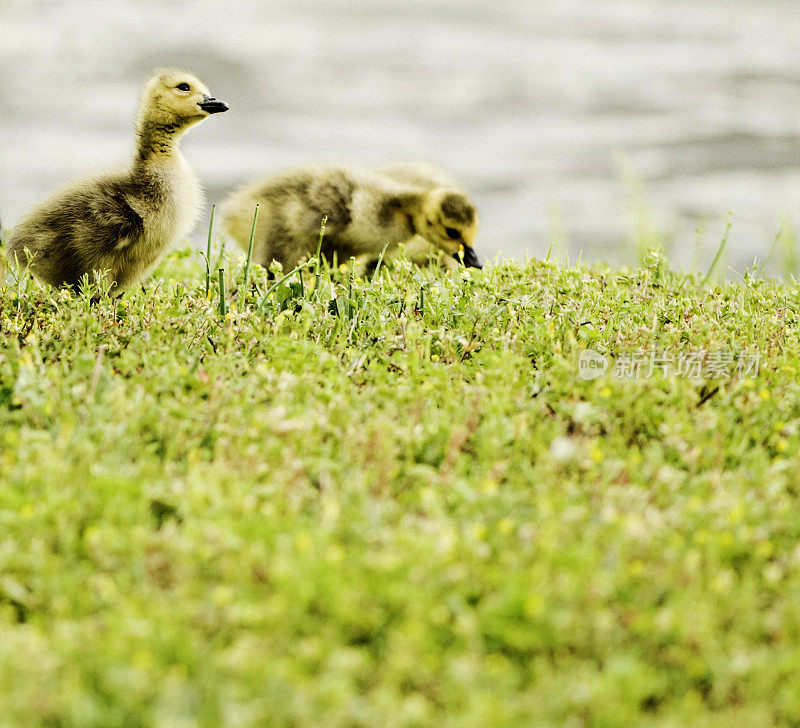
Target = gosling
(429,177)
(121,223)
(365,211)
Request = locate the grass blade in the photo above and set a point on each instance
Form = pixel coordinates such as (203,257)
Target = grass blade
(249,255)
(380,261)
(720,250)
(318,255)
(222,307)
(208,252)
(350,306)
(775,242)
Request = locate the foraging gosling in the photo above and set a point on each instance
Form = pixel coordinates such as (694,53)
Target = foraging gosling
(122,222)
(429,177)
(366,210)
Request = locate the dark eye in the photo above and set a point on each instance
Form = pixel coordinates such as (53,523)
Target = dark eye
(452,233)
(183,87)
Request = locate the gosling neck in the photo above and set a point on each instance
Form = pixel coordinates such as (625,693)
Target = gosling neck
(157,140)
(411,204)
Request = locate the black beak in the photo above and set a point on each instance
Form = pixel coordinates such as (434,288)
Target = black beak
(212,105)
(468,257)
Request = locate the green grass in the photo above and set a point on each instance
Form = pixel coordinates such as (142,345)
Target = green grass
(394,503)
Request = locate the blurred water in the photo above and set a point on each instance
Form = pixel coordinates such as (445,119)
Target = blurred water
(543,108)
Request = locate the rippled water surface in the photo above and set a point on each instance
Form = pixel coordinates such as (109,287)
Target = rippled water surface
(567,120)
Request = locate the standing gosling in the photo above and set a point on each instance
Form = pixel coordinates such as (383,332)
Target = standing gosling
(365,211)
(122,222)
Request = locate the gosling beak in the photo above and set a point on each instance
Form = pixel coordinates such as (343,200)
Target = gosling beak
(212,106)
(468,257)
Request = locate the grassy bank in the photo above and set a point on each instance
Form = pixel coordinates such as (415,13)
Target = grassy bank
(402,508)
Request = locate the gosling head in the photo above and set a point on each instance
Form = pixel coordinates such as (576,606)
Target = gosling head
(175,100)
(450,221)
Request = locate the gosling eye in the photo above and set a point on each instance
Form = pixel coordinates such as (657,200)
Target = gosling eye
(452,233)
(183,87)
